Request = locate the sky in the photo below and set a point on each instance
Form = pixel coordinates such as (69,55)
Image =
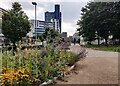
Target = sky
(70,9)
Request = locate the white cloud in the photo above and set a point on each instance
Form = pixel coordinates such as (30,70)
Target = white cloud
(70,11)
(45,0)
(69,28)
(31,13)
(6,5)
(40,11)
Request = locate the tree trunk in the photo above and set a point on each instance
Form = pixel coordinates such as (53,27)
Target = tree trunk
(98,41)
(14,48)
(119,42)
(89,42)
(106,42)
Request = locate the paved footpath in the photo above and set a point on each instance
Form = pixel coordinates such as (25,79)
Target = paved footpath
(99,67)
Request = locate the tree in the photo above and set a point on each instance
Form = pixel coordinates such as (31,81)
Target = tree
(51,36)
(88,24)
(100,20)
(116,12)
(15,24)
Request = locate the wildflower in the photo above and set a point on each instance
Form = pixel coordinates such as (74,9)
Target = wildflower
(3,68)
(21,71)
(25,75)
(1,76)
(6,75)
(28,71)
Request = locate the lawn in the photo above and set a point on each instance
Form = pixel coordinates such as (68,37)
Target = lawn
(114,48)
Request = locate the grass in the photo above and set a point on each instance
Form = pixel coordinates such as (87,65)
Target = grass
(114,48)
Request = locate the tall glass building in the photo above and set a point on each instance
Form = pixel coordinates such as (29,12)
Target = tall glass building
(40,27)
(52,21)
(1,20)
(54,17)
(1,35)
(1,12)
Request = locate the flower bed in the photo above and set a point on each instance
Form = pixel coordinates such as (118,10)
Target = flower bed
(33,66)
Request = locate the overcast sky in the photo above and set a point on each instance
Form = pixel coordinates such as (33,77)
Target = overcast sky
(70,11)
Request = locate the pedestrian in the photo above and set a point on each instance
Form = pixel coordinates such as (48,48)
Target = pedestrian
(79,41)
(74,41)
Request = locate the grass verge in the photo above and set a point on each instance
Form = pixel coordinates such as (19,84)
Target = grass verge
(114,48)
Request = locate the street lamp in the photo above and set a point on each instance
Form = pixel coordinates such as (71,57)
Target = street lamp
(34,3)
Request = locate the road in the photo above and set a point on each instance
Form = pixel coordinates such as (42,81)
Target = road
(99,67)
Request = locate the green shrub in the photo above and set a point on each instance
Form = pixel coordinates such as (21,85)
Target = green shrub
(43,64)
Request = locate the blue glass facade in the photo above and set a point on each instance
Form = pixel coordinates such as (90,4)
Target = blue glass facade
(52,20)
(57,12)
(38,31)
(49,16)
(56,15)
(40,27)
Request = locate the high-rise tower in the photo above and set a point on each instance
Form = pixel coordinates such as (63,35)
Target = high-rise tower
(54,17)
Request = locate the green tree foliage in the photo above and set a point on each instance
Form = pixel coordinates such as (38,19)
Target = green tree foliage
(116,15)
(99,20)
(51,35)
(15,24)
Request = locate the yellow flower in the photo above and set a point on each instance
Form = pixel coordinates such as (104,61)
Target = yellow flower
(1,76)
(28,71)
(3,68)
(7,75)
(25,75)
(21,71)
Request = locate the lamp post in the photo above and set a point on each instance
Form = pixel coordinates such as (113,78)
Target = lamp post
(34,3)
